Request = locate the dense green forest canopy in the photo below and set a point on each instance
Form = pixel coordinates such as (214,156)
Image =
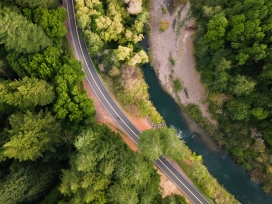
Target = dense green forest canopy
(51,149)
(233,52)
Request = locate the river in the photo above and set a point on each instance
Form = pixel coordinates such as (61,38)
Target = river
(219,164)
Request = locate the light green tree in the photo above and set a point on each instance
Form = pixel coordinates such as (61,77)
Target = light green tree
(93,42)
(123,53)
(260,113)
(216,31)
(20,35)
(242,85)
(160,142)
(139,58)
(26,93)
(31,134)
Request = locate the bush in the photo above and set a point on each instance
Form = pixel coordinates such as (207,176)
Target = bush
(164,10)
(172,60)
(177,84)
(164,25)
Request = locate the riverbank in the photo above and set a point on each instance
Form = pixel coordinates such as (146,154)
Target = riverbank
(167,186)
(176,42)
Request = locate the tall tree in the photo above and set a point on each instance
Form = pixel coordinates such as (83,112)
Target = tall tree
(160,142)
(26,93)
(104,170)
(51,21)
(31,134)
(70,101)
(216,31)
(26,181)
(20,35)
(34,3)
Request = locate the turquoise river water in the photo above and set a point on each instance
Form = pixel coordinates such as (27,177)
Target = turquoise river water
(219,164)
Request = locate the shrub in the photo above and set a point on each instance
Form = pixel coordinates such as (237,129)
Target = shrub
(177,84)
(172,60)
(164,25)
(164,10)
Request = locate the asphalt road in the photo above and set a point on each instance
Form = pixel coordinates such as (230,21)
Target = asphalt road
(100,91)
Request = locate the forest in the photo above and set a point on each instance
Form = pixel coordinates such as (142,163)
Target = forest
(233,52)
(51,148)
(112,30)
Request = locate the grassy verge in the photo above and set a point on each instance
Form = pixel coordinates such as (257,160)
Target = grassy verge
(141,108)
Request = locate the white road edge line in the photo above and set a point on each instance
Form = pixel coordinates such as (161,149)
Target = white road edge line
(180,181)
(106,98)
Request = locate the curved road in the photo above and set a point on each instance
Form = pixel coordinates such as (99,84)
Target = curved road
(97,86)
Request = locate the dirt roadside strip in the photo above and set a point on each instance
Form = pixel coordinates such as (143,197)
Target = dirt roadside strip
(168,187)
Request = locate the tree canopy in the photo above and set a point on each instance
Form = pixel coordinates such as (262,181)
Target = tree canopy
(20,35)
(232,49)
(26,93)
(30,135)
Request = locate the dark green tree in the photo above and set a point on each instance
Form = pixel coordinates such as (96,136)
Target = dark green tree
(26,181)
(238,110)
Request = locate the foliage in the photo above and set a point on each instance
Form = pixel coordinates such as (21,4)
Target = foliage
(134,6)
(103,170)
(29,37)
(171,59)
(232,52)
(93,42)
(38,83)
(164,25)
(40,65)
(164,10)
(26,182)
(177,84)
(165,142)
(70,101)
(26,93)
(30,135)
(51,21)
(176,199)
(161,142)
(132,89)
(34,3)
